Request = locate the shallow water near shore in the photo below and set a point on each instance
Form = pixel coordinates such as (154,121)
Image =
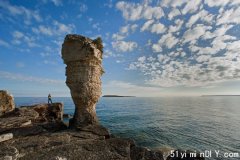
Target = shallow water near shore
(195,123)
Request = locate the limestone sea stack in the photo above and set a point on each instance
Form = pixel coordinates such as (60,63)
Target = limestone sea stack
(83,58)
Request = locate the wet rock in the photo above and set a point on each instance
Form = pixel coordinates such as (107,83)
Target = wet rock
(6,102)
(84,69)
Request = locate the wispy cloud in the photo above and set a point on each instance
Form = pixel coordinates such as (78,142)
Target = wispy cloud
(136,11)
(83,7)
(19,38)
(3,43)
(126,88)
(57,2)
(25,78)
(56,28)
(124,46)
(21,11)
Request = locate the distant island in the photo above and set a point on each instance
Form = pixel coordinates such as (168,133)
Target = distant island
(218,95)
(116,96)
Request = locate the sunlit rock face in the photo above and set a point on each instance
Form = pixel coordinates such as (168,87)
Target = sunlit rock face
(83,72)
(6,102)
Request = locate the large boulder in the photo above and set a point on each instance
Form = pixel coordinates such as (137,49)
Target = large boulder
(46,112)
(6,102)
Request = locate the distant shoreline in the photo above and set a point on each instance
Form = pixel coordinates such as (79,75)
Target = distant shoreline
(116,96)
(218,95)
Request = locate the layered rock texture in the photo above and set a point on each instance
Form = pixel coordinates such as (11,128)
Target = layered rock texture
(83,58)
(6,102)
(32,120)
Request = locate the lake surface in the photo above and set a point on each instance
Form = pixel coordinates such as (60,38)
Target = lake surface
(196,123)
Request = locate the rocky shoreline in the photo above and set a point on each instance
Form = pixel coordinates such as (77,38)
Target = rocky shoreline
(38,132)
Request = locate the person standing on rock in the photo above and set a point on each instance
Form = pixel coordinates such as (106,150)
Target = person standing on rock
(49,98)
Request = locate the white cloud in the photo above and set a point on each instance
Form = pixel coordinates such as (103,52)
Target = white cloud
(83,7)
(195,33)
(27,14)
(203,58)
(158,28)
(229,16)
(129,89)
(25,78)
(57,2)
(45,30)
(3,43)
(175,12)
(117,36)
(177,27)
(202,15)
(124,46)
(19,38)
(109,4)
(124,32)
(214,3)
(124,29)
(173,3)
(137,11)
(96,26)
(167,40)
(109,53)
(146,25)
(156,48)
(134,27)
(63,28)
(191,6)
(56,29)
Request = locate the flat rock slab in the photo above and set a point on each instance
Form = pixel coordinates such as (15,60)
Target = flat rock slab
(77,145)
(5,137)
(68,145)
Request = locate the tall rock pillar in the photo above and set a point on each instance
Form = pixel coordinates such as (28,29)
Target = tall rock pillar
(83,58)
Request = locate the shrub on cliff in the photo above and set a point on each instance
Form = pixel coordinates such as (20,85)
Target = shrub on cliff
(98,43)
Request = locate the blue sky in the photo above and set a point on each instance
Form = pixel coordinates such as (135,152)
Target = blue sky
(151,48)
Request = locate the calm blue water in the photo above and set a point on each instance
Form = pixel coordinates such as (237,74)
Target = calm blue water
(201,123)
